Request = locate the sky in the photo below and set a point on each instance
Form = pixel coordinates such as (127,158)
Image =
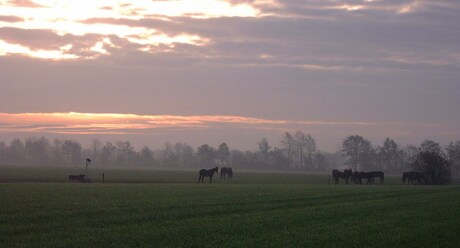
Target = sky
(234,71)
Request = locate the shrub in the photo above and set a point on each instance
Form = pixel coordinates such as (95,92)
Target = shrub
(434,166)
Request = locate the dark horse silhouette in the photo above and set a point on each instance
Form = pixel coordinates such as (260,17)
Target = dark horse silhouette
(336,174)
(412,177)
(226,170)
(370,176)
(358,177)
(207,173)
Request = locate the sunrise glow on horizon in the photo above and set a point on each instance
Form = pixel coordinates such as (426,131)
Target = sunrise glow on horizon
(113,124)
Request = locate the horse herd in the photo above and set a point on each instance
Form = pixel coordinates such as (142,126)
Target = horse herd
(357,176)
(209,173)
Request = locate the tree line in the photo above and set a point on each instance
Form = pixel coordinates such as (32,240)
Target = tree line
(295,151)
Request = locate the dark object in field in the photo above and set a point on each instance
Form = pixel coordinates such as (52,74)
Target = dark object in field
(371,175)
(358,177)
(79,178)
(226,170)
(207,173)
(336,174)
(412,177)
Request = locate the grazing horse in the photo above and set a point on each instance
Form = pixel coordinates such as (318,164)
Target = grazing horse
(226,170)
(378,174)
(336,174)
(412,177)
(405,177)
(358,177)
(370,176)
(207,173)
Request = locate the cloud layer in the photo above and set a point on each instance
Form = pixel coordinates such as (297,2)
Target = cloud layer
(391,64)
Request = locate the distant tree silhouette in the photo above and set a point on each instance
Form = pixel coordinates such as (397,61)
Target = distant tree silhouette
(306,147)
(390,154)
(96,146)
(430,146)
(184,154)
(223,153)
(264,150)
(36,151)
(288,143)
(320,161)
(146,157)
(71,151)
(432,163)
(453,154)
(359,151)
(206,155)
(16,152)
(108,154)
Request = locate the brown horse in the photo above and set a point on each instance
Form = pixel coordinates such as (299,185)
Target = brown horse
(370,176)
(226,170)
(412,177)
(336,174)
(207,173)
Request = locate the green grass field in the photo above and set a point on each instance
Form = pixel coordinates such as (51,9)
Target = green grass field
(274,210)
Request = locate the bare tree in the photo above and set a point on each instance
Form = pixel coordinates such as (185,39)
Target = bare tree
(223,153)
(300,141)
(359,151)
(96,146)
(206,155)
(125,153)
(16,152)
(264,149)
(71,151)
(37,150)
(288,143)
(389,154)
(184,154)
(310,147)
(108,154)
(146,157)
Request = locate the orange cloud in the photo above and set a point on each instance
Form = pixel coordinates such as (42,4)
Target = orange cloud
(109,123)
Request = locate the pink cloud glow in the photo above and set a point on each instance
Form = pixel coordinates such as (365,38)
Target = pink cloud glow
(109,123)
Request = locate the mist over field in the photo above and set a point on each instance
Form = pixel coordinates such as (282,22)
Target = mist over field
(295,151)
